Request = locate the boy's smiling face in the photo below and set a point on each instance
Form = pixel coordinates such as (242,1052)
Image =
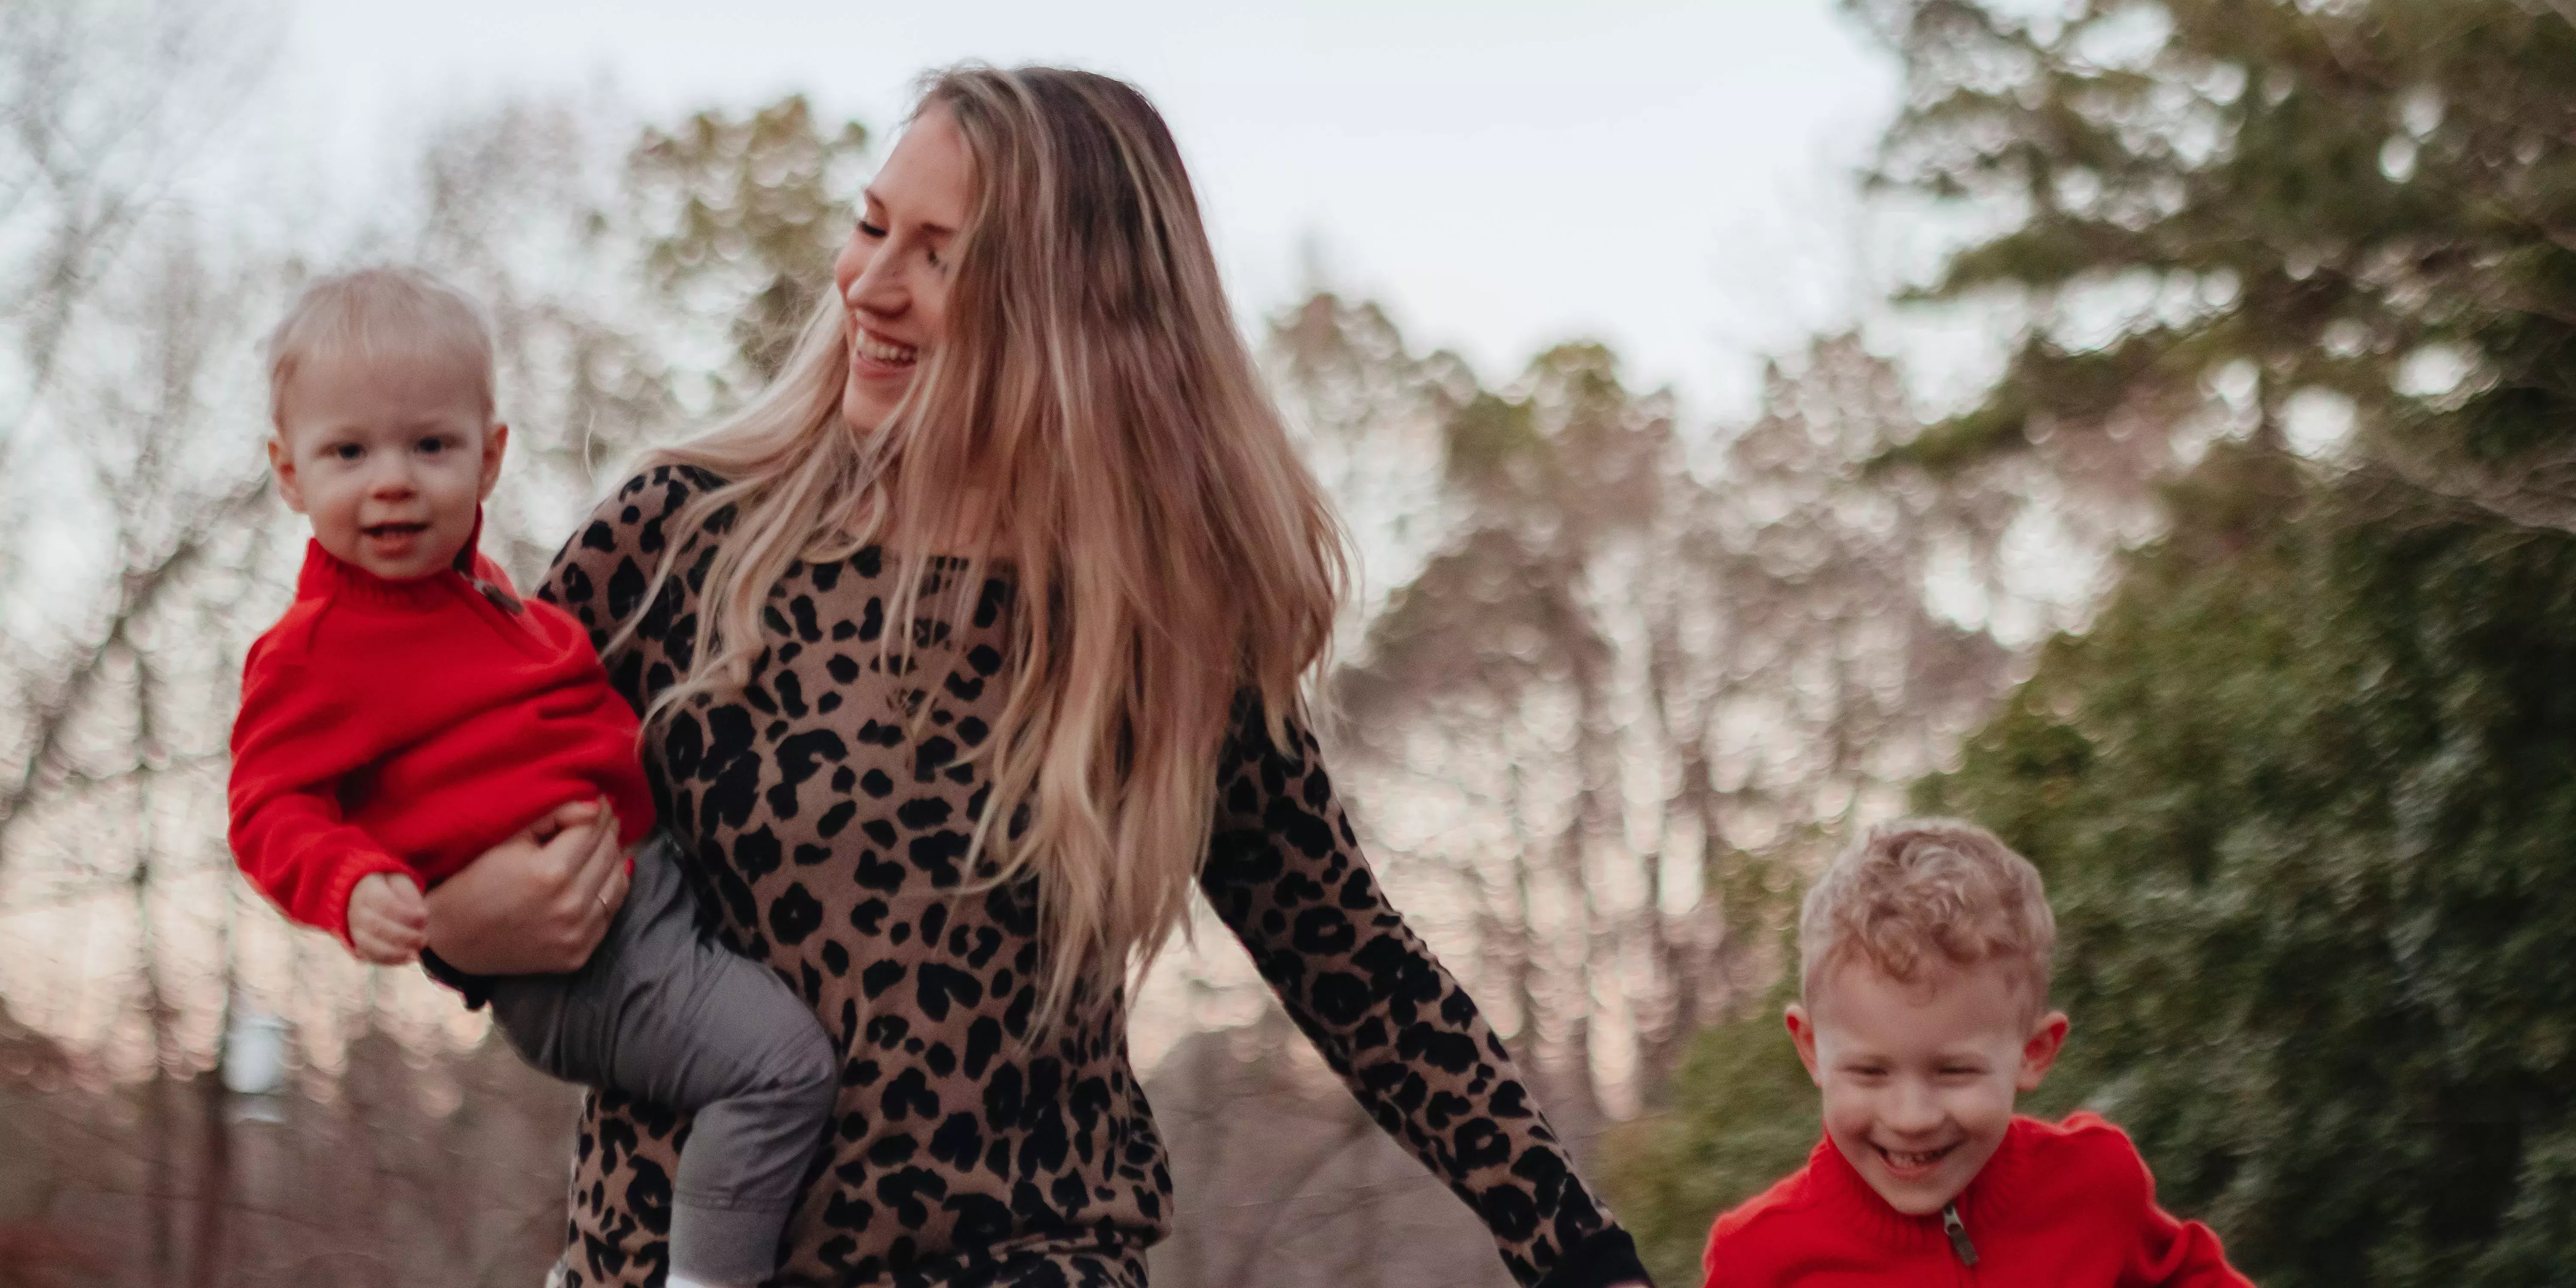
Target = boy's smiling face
(388,457)
(1919,1078)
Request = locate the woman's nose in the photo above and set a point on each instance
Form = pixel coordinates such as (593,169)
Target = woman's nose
(875,289)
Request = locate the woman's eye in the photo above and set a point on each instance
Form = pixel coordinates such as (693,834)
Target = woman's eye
(870,231)
(935,261)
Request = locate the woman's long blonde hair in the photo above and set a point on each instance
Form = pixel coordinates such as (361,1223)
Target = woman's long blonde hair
(1168,549)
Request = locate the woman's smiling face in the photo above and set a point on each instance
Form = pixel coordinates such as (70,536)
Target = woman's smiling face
(1919,1078)
(893,274)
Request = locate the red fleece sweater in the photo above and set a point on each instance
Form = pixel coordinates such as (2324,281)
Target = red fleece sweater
(408,726)
(2067,1205)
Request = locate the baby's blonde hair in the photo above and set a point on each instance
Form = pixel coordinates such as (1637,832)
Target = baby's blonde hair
(389,311)
(1918,894)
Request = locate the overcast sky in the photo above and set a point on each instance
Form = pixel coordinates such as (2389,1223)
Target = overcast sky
(1671,176)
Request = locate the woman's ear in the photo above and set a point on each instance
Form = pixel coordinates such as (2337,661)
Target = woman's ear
(496,440)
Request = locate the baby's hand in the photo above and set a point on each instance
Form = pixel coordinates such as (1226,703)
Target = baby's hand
(388,921)
(572,814)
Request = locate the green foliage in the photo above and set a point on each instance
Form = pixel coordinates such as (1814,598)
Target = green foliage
(2285,196)
(2308,816)
(2307,812)
(758,205)
(2305,791)
(1742,1114)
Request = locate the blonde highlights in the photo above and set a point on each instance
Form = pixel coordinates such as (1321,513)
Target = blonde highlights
(1168,552)
(1920,895)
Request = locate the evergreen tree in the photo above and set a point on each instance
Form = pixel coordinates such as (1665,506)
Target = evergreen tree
(2308,819)
(2303,790)
(2218,209)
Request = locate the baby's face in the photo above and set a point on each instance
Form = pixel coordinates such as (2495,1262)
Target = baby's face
(388,458)
(1919,1079)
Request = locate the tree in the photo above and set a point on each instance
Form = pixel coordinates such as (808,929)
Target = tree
(1639,698)
(2223,219)
(754,207)
(2300,783)
(115,478)
(132,404)
(2302,812)
(2296,279)
(1813,679)
(529,207)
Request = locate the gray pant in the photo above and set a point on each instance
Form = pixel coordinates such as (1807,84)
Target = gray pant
(664,1013)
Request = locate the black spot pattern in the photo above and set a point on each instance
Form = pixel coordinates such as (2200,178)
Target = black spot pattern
(960,1156)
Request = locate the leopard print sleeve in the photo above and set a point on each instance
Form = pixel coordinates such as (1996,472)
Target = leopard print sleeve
(602,573)
(1285,872)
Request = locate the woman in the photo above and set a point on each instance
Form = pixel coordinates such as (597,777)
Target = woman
(956,798)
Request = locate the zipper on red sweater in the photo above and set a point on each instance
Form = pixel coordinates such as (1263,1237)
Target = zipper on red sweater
(513,611)
(1958,1231)
(501,599)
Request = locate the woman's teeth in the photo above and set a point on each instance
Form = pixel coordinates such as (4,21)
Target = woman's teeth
(886,351)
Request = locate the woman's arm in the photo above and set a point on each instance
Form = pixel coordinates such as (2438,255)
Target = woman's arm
(540,901)
(1285,873)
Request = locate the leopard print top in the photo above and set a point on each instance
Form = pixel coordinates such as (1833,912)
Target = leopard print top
(827,839)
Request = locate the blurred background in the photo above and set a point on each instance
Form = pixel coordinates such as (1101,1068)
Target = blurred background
(2139,425)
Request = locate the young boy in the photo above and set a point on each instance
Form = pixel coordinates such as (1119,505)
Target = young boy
(410,712)
(1923,965)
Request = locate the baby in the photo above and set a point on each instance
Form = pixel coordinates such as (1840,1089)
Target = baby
(1923,965)
(410,712)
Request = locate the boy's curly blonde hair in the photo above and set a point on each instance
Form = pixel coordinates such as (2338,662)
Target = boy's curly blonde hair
(1918,893)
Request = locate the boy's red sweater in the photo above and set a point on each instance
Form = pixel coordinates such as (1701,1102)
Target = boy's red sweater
(2067,1205)
(408,726)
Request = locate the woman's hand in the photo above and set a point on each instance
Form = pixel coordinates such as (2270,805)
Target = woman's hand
(536,904)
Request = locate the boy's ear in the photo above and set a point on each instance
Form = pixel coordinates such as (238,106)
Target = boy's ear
(1802,1035)
(496,440)
(2039,1052)
(281,462)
